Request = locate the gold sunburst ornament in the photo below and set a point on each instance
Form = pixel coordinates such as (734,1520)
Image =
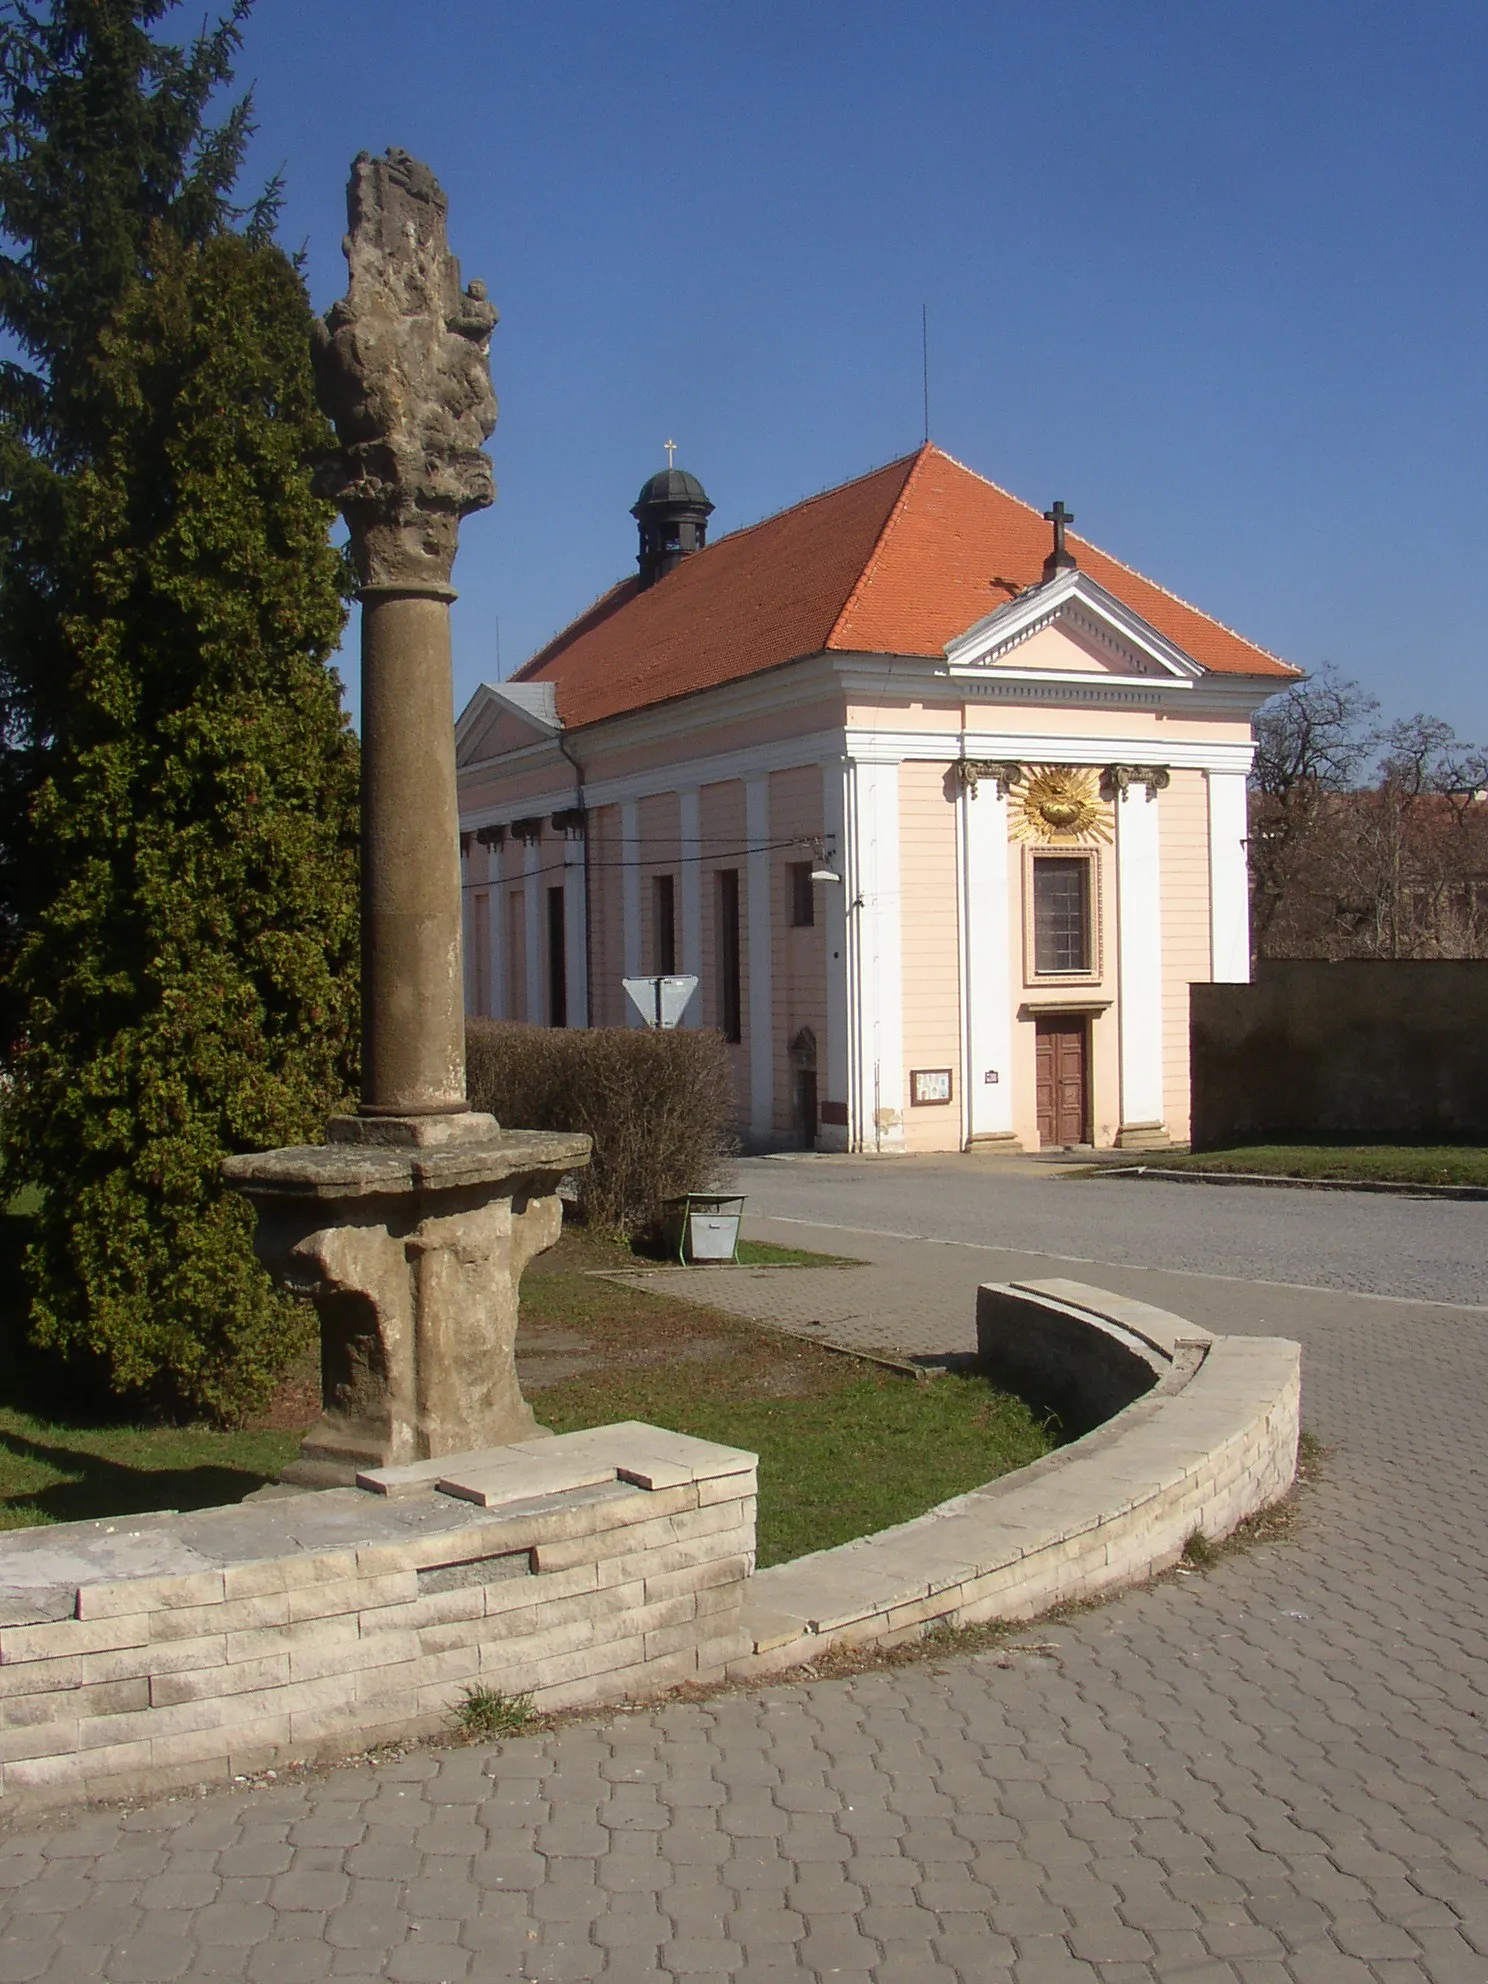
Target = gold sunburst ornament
(1059,804)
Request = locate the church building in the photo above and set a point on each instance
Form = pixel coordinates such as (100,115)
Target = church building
(944,808)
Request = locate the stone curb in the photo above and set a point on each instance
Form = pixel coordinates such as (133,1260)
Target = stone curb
(1397,1186)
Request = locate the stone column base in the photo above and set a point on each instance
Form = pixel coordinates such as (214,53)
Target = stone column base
(409,1235)
(1143,1136)
(995,1140)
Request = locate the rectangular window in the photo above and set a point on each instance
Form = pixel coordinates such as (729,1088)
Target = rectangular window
(557,967)
(730,1017)
(1061,916)
(803,899)
(664,924)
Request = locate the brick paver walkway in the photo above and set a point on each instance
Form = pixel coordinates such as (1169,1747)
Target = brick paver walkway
(1272,1772)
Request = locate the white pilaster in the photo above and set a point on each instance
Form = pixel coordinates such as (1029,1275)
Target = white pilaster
(496,964)
(835,900)
(575,929)
(878,1104)
(761,953)
(690,833)
(985,924)
(630,897)
(1139,958)
(534,933)
(1229,880)
(467,930)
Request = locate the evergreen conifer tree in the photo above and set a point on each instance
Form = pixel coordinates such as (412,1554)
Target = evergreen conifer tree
(182,967)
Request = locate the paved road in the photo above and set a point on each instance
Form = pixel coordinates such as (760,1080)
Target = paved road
(1274,1772)
(1420,1249)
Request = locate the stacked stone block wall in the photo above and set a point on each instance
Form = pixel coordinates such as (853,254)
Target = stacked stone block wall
(170,1650)
(1212,1443)
(336,1621)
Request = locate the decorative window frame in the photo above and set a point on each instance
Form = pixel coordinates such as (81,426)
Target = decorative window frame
(1092,858)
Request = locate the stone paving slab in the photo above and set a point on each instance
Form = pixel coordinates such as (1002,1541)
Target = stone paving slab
(1274,1772)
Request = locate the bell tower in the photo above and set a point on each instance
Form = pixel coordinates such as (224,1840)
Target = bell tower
(672,513)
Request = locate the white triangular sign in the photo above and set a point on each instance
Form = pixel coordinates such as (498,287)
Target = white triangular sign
(661,1001)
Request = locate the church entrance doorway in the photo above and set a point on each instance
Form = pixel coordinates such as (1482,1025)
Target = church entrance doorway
(1062,1076)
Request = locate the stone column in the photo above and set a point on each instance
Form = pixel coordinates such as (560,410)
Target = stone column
(413,1021)
(409,1228)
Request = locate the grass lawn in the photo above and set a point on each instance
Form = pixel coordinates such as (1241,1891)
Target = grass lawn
(1401,1164)
(845,1447)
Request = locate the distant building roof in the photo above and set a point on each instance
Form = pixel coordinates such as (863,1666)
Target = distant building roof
(897,562)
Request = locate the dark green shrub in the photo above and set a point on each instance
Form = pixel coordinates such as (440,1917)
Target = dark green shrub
(659,1107)
(189,988)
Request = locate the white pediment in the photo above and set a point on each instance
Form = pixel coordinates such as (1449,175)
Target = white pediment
(1068,629)
(502,717)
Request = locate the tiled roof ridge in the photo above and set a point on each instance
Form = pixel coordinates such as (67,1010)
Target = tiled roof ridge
(581,622)
(918,460)
(1131,570)
(805,502)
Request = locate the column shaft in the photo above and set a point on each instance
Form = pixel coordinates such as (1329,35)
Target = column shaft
(413,1023)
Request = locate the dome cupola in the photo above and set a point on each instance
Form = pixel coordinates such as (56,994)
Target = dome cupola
(672,513)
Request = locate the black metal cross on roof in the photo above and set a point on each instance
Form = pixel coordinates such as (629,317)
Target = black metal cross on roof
(1060,559)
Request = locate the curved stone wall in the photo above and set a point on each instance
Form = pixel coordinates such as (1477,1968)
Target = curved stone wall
(1210,1440)
(179,1649)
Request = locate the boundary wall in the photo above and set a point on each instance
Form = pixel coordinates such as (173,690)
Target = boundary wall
(1366,1050)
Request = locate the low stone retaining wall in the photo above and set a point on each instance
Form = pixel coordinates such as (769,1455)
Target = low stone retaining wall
(163,1650)
(1212,1441)
(168,1649)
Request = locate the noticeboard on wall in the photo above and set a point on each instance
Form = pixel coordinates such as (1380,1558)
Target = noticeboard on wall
(929,1085)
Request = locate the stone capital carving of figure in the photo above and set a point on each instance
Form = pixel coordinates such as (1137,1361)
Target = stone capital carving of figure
(402,369)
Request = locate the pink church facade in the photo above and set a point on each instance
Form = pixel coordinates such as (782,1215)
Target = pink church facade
(944,876)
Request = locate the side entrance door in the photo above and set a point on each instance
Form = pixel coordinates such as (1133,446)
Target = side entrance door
(1062,1078)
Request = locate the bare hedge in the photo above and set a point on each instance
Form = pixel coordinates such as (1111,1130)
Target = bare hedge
(659,1107)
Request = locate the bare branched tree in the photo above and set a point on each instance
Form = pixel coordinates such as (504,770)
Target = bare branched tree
(1310,743)
(1390,865)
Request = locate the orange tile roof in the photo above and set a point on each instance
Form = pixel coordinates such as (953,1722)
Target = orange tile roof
(897,562)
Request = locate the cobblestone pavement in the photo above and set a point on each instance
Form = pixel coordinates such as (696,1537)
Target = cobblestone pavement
(1271,1772)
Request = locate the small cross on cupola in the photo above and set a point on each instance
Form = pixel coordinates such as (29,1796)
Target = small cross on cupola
(1061,558)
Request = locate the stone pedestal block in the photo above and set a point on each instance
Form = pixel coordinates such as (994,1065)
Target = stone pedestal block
(1143,1136)
(409,1235)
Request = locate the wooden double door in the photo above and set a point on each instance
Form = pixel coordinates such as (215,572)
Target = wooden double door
(1062,1063)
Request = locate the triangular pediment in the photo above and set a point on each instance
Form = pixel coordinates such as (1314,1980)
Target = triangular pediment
(502,717)
(1068,628)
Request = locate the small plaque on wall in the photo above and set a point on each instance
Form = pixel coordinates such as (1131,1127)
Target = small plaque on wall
(929,1085)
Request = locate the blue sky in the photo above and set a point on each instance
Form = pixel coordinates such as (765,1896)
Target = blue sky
(1215,275)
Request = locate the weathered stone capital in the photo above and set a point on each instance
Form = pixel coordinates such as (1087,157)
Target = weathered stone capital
(1117,780)
(969,773)
(402,368)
